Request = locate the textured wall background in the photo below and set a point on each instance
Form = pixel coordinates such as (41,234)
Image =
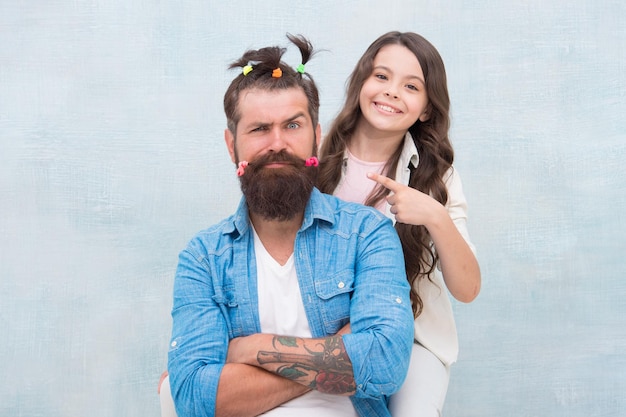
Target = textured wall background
(112,157)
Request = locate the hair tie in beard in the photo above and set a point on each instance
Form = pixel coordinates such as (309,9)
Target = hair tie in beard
(312,161)
(241,168)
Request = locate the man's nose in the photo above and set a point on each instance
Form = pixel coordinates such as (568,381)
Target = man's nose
(277,140)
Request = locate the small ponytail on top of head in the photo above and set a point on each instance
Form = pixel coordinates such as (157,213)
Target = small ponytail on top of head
(264,69)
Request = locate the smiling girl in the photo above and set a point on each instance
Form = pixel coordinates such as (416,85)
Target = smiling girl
(389,148)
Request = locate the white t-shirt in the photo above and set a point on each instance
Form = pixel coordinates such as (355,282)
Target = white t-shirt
(281,311)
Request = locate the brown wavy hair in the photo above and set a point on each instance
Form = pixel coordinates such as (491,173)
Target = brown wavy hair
(430,137)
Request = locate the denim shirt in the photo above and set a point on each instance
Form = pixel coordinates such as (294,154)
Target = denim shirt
(350,268)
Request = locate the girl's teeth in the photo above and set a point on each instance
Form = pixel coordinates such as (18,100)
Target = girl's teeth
(386,108)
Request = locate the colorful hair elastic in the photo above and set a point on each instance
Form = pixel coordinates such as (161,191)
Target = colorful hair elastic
(312,161)
(241,168)
(300,68)
(247,69)
(277,73)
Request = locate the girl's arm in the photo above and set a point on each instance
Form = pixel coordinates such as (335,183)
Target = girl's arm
(458,264)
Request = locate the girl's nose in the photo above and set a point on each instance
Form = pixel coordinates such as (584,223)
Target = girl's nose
(391,94)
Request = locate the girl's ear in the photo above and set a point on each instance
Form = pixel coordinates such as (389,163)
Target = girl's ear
(426,114)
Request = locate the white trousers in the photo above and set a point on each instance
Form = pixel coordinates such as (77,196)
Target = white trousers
(424,390)
(165,398)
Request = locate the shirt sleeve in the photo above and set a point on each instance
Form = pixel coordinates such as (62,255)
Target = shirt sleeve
(196,356)
(381,318)
(457,204)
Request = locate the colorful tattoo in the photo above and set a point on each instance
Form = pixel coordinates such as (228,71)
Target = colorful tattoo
(325,367)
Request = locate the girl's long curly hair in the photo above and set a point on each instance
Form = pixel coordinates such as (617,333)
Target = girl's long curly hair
(431,140)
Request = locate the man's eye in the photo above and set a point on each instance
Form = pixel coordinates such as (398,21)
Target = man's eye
(292,125)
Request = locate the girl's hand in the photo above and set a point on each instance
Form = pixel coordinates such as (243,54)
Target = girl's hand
(460,269)
(409,205)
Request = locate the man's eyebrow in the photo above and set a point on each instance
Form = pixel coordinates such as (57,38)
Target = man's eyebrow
(256,125)
(260,124)
(296,116)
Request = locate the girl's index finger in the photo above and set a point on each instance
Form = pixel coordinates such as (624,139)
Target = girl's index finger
(384,181)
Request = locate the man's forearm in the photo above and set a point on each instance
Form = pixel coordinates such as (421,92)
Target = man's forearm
(320,364)
(247,391)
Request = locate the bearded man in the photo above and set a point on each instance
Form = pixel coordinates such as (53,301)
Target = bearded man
(297,304)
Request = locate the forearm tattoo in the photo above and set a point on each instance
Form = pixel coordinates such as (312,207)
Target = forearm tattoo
(324,367)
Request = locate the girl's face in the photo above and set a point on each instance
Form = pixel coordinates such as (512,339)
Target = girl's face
(394,96)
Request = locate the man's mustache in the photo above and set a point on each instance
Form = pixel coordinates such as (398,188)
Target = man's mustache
(276,157)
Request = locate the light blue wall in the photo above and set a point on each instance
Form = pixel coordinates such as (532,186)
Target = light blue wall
(111,157)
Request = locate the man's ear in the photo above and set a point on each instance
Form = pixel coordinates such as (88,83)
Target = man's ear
(318,135)
(229,138)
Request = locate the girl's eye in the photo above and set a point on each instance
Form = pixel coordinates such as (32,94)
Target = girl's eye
(412,87)
(381,76)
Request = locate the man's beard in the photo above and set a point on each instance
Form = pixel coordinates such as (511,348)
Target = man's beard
(278,193)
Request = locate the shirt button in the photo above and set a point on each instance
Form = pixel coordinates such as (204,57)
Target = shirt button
(174,343)
(341,284)
(399,300)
